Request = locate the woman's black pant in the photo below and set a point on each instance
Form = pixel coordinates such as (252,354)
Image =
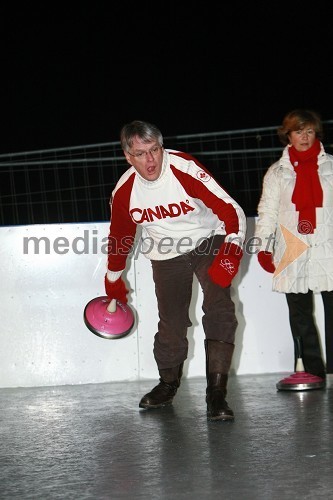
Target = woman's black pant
(303,325)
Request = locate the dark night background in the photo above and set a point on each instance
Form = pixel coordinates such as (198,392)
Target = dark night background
(72,74)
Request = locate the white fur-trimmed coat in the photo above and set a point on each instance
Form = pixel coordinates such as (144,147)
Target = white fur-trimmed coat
(303,261)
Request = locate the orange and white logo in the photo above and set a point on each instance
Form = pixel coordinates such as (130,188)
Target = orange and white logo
(294,248)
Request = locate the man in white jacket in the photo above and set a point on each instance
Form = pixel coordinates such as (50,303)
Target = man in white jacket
(190,226)
(295,231)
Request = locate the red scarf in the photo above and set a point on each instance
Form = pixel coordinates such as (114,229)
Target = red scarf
(308,193)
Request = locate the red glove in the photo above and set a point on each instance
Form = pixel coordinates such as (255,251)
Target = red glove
(225,264)
(116,289)
(266,261)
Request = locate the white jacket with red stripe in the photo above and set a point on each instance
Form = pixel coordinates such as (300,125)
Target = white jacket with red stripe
(176,212)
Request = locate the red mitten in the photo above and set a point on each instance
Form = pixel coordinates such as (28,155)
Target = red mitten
(225,264)
(116,289)
(265,259)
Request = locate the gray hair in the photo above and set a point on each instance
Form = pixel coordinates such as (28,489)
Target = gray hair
(147,132)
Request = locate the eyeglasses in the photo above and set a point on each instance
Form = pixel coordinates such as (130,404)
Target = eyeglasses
(153,151)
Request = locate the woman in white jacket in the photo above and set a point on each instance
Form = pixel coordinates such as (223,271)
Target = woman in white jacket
(295,232)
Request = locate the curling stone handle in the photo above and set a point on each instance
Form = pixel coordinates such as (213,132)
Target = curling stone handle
(112,307)
(299,354)
(298,347)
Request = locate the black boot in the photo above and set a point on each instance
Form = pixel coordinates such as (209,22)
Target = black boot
(217,406)
(218,361)
(164,392)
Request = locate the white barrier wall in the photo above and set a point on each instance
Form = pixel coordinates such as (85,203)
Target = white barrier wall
(44,290)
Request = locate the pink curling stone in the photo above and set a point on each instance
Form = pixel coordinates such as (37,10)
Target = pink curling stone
(108,319)
(300,381)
